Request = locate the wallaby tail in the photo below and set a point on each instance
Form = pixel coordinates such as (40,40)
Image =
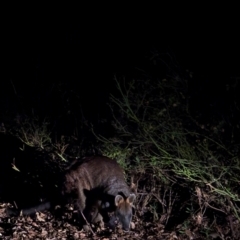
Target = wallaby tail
(29,211)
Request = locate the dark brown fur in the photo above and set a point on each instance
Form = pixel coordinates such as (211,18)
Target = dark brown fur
(100,179)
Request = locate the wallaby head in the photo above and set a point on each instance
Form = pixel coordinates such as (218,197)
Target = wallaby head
(123,212)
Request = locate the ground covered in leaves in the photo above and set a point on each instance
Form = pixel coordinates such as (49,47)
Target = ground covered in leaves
(46,226)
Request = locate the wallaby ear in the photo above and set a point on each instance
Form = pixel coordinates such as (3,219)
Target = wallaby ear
(131,198)
(118,200)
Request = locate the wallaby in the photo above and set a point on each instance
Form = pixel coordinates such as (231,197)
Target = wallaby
(100,179)
(97,186)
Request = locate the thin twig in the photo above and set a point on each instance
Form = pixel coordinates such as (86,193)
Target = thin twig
(87,223)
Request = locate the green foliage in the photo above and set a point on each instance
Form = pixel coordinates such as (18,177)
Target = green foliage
(158,139)
(34,133)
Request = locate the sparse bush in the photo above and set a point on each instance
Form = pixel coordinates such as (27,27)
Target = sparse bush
(180,168)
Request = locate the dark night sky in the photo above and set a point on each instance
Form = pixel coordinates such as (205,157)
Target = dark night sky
(70,50)
(88,53)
